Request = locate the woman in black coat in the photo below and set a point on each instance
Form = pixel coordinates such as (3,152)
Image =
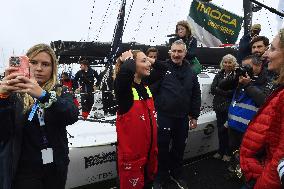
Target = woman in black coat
(34,114)
(221,101)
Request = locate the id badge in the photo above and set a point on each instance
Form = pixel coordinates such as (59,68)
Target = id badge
(47,155)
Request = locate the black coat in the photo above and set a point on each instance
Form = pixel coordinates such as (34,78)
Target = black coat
(61,113)
(244,47)
(86,80)
(222,98)
(179,93)
(258,89)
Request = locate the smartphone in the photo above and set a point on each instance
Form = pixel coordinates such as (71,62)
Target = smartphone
(21,62)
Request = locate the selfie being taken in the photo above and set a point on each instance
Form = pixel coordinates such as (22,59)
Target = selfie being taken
(128,94)
(34,145)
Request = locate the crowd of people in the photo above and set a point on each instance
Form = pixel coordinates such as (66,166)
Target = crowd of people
(247,102)
(159,100)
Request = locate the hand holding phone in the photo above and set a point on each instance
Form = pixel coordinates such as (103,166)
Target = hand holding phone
(22,63)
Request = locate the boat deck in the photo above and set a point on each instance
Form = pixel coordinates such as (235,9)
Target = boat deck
(207,173)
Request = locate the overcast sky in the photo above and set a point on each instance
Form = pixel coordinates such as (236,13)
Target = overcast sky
(24,23)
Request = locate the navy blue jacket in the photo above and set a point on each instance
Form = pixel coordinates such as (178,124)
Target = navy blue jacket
(179,93)
(61,113)
(244,47)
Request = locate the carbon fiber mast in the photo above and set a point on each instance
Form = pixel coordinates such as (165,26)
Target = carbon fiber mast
(251,6)
(107,81)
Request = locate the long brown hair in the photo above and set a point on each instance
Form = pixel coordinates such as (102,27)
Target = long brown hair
(280,79)
(185,24)
(119,62)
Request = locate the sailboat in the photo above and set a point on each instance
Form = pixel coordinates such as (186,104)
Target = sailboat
(92,142)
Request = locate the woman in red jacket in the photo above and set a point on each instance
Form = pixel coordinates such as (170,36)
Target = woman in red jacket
(263,143)
(136,122)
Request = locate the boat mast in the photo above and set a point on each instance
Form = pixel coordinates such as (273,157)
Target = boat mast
(247,5)
(249,8)
(117,35)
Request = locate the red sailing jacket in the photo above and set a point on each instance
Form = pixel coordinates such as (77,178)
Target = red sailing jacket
(137,136)
(263,144)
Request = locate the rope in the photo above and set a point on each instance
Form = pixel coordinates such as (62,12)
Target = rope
(90,23)
(141,20)
(100,29)
(158,23)
(128,15)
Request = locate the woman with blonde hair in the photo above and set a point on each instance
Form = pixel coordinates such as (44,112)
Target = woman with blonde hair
(263,143)
(34,114)
(221,102)
(136,122)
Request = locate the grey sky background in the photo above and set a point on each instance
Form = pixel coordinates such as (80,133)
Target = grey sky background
(28,22)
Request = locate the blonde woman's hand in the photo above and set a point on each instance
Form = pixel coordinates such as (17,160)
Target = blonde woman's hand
(127,54)
(7,84)
(29,86)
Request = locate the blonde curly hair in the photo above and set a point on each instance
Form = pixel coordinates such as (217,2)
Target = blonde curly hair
(230,58)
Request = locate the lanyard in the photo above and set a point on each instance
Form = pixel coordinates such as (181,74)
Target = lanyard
(40,114)
(32,113)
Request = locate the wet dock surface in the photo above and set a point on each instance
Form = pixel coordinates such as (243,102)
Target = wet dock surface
(207,173)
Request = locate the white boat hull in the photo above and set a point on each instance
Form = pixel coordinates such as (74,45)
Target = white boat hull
(92,143)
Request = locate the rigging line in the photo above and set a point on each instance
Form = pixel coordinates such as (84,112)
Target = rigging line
(90,23)
(268,8)
(130,9)
(141,19)
(170,21)
(157,26)
(107,18)
(100,29)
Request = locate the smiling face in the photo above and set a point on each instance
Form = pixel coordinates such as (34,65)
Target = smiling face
(143,66)
(275,55)
(228,65)
(41,67)
(177,53)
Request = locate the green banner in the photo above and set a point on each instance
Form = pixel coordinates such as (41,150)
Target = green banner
(221,23)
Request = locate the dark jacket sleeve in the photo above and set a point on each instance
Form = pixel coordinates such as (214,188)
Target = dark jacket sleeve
(88,78)
(63,110)
(123,84)
(195,98)
(257,94)
(6,119)
(245,42)
(215,90)
(191,49)
(244,47)
(98,78)
(161,66)
(228,83)
(75,81)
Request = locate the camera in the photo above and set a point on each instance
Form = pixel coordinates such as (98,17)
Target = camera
(244,70)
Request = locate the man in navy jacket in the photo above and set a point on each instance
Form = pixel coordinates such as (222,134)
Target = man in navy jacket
(177,102)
